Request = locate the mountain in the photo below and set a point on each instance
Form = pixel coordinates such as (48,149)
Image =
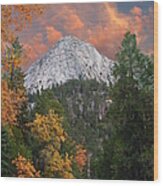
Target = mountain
(70,58)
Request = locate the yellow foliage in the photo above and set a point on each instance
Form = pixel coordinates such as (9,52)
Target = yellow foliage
(48,127)
(11,104)
(55,164)
(25,168)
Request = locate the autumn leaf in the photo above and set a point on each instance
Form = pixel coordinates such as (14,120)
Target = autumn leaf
(25,168)
(48,127)
(15,18)
(81,157)
(11,104)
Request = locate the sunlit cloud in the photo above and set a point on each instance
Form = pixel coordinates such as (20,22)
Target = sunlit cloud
(101,24)
(52,34)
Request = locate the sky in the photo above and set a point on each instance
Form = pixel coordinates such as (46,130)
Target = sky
(101,24)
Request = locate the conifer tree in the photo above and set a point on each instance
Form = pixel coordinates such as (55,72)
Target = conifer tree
(128,153)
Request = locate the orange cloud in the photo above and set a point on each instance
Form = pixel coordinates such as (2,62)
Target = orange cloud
(116,19)
(108,39)
(101,24)
(68,19)
(74,22)
(34,49)
(38,45)
(52,34)
(136,11)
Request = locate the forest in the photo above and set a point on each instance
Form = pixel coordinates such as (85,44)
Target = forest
(81,129)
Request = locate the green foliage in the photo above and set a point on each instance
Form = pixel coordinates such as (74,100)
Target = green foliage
(43,102)
(12,145)
(11,65)
(128,153)
(83,100)
(85,107)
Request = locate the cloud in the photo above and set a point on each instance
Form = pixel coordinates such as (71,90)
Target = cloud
(73,23)
(136,11)
(116,19)
(101,24)
(107,38)
(67,19)
(52,34)
(34,49)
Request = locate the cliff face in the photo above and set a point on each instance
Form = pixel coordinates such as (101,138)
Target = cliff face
(70,58)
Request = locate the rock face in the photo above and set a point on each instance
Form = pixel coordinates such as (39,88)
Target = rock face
(70,58)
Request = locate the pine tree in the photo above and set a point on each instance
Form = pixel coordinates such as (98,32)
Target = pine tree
(128,153)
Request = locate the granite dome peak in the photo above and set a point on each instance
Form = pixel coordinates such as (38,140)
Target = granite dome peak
(70,58)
